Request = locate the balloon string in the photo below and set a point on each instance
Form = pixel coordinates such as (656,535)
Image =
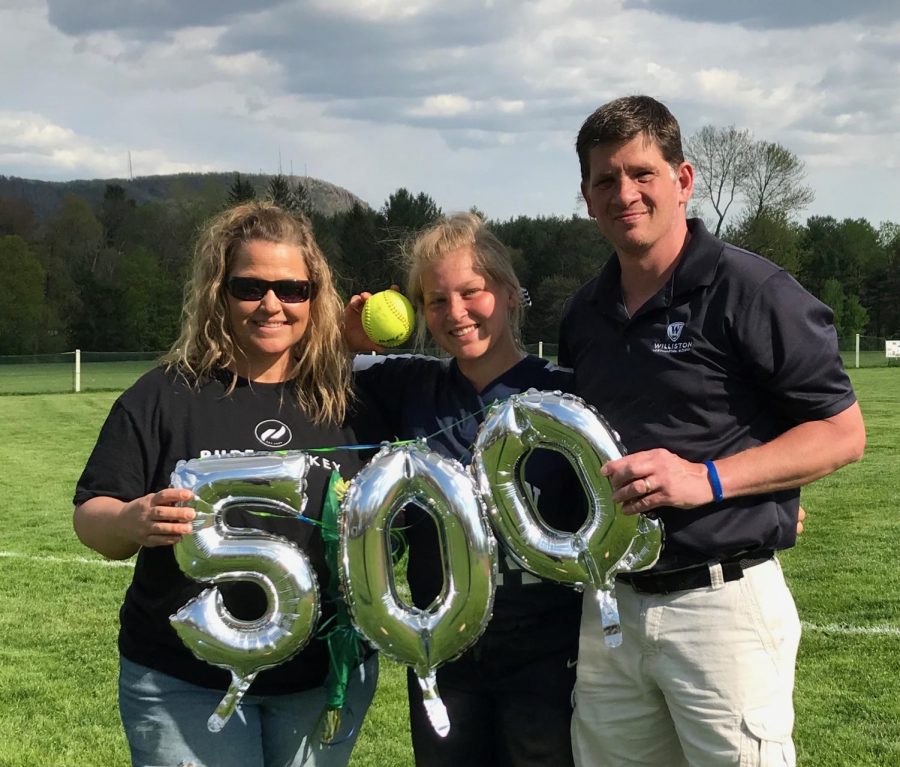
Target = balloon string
(465,418)
(396,532)
(373,446)
(196,501)
(400,442)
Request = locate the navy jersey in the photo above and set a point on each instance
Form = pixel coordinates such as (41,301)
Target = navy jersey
(425,397)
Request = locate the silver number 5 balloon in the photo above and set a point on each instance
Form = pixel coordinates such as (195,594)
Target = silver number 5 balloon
(607,542)
(217,552)
(422,639)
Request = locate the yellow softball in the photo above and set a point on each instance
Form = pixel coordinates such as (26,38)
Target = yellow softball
(388,318)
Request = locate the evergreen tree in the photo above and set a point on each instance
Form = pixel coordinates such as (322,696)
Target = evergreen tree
(279,191)
(303,198)
(240,191)
(404,213)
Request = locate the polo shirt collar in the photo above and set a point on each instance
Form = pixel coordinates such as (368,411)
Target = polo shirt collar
(698,264)
(696,268)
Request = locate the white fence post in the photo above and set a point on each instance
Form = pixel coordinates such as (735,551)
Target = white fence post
(77,370)
(540,348)
(857,350)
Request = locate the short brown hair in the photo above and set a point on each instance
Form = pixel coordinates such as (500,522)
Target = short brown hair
(622,120)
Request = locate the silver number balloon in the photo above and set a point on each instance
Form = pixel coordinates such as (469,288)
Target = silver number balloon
(422,639)
(217,552)
(607,542)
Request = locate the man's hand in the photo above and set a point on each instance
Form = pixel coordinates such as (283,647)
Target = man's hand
(653,478)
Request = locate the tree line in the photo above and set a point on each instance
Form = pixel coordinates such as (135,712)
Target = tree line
(110,277)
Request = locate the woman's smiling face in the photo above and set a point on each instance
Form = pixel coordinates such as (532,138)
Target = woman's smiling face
(466,311)
(266,331)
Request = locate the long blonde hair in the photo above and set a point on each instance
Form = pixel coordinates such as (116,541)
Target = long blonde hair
(490,258)
(321,372)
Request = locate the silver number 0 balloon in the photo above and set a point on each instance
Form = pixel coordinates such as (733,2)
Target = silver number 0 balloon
(607,542)
(422,639)
(216,552)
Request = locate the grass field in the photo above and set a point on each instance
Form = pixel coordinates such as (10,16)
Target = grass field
(42,378)
(59,602)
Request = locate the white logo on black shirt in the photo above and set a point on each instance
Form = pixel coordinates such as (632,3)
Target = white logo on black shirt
(273,433)
(673,344)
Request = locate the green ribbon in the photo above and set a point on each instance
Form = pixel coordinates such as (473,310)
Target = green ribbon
(343,640)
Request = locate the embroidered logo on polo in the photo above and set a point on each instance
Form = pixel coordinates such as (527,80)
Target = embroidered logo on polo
(674,344)
(674,331)
(273,433)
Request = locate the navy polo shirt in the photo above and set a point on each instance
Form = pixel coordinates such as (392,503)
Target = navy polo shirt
(729,354)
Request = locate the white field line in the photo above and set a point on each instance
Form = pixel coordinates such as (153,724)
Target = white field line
(67,560)
(843,628)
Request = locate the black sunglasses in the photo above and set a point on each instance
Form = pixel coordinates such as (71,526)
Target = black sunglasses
(286,291)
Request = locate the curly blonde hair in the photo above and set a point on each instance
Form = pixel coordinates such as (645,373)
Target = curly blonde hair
(490,258)
(321,372)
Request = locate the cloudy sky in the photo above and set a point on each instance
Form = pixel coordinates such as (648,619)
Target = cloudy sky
(476,102)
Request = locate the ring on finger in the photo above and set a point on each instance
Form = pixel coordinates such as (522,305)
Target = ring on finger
(648,488)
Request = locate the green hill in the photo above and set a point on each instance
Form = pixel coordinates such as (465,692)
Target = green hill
(46,196)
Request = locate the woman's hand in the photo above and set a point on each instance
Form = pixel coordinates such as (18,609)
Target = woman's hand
(155,520)
(117,529)
(354,335)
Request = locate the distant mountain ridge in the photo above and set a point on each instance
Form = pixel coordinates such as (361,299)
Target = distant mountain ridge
(46,196)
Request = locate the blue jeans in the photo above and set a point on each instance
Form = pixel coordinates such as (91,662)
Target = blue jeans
(165,723)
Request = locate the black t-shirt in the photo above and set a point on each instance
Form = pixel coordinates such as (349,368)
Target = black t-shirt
(424,397)
(731,353)
(161,420)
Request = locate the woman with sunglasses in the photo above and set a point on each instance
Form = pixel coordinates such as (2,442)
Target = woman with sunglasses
(259,365)
(507,697)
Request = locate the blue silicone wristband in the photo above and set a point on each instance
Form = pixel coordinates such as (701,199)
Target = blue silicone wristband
(714,482)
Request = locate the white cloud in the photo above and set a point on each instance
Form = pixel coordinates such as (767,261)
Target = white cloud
(461,100)
(31,141)
(445,104)
(510,107)
(374,10)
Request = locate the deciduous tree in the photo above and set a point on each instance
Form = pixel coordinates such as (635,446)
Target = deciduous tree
(773,181)
(720,157)
(771,235)
(23,310)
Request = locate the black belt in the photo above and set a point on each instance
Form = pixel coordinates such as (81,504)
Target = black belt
(695,577)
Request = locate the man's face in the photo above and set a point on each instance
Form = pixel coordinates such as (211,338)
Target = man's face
(637,198)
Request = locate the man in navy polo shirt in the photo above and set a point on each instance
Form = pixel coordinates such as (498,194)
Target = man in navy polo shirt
(722,377)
